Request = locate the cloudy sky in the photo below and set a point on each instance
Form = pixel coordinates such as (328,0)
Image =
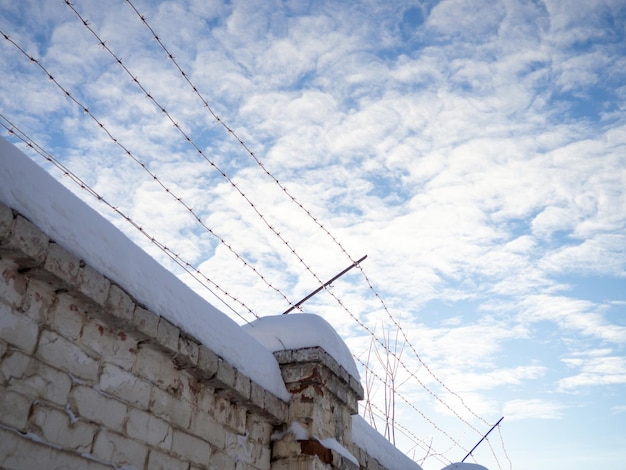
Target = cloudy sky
(475,151)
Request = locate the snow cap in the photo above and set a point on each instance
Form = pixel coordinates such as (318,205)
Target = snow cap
(302,330)
(464,466)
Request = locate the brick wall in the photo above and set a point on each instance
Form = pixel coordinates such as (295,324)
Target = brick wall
(91,378)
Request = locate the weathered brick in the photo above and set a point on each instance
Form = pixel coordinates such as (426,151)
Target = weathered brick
(171,409)
(31,377)
(67,317)
(17,451)
(119,450)
(208,429)
(27,244)
(275,407)
(18,329)
(115,346)
(119,304)
(188,351)
(93,285)
(60,265)
(92,405)
(192,448)
(12,284)
(14,409)
(39,297)
(6,221)
(167,335)
(148,428)
(207,364)
(239,445)
(222,461)
(146,322)
(258,429)
(116,381)
(160,461)
(65,355)
(56,426)
(151,364)
(224,377)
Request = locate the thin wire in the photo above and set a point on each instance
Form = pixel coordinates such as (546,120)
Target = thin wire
(188,267)
(300,205)
(195,146)
(154,177)
(411,405)
(230,131)
(416,440)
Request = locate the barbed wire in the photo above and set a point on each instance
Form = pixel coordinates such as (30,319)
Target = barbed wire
(411,405)
(284,189)
(200,152)
(263,218)
(154,177)
(15,131)
(161,107)
(416,440)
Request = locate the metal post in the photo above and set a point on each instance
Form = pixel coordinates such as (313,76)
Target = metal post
(324,285)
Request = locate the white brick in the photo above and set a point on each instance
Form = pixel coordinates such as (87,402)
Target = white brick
(55,426)
(67,316)
(191,448)
(12,284)
(209,430)
(17,329)
(152,365)
(28,376)
(93,285)
(170,408)
(148,428)
(119,304)
(119,450)
(90,404)
(18,452)
(61,264)
(38,299)
(113,345)
(14,409)
(160,461)
(65,355)
(116,381)
(28,243)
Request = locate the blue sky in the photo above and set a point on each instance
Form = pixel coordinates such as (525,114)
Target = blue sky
(474,150)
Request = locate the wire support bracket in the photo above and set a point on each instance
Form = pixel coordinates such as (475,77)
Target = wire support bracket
(483,438)
(326,284)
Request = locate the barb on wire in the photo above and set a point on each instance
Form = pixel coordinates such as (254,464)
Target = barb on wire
(283,188)
(199,151)
(413,407)
(199,276)
(154,177)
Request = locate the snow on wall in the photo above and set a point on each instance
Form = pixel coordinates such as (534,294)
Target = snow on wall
(78,228)
(367,438)
(464,466)
(302,330)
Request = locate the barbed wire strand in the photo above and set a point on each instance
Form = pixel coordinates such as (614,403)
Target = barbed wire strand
(284,189)
(200,152)
(412,437)
(411,405)
(119,61)
(231,182)
(154,177)
(15,131)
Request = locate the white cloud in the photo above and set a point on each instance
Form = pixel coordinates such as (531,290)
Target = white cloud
(523,409)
